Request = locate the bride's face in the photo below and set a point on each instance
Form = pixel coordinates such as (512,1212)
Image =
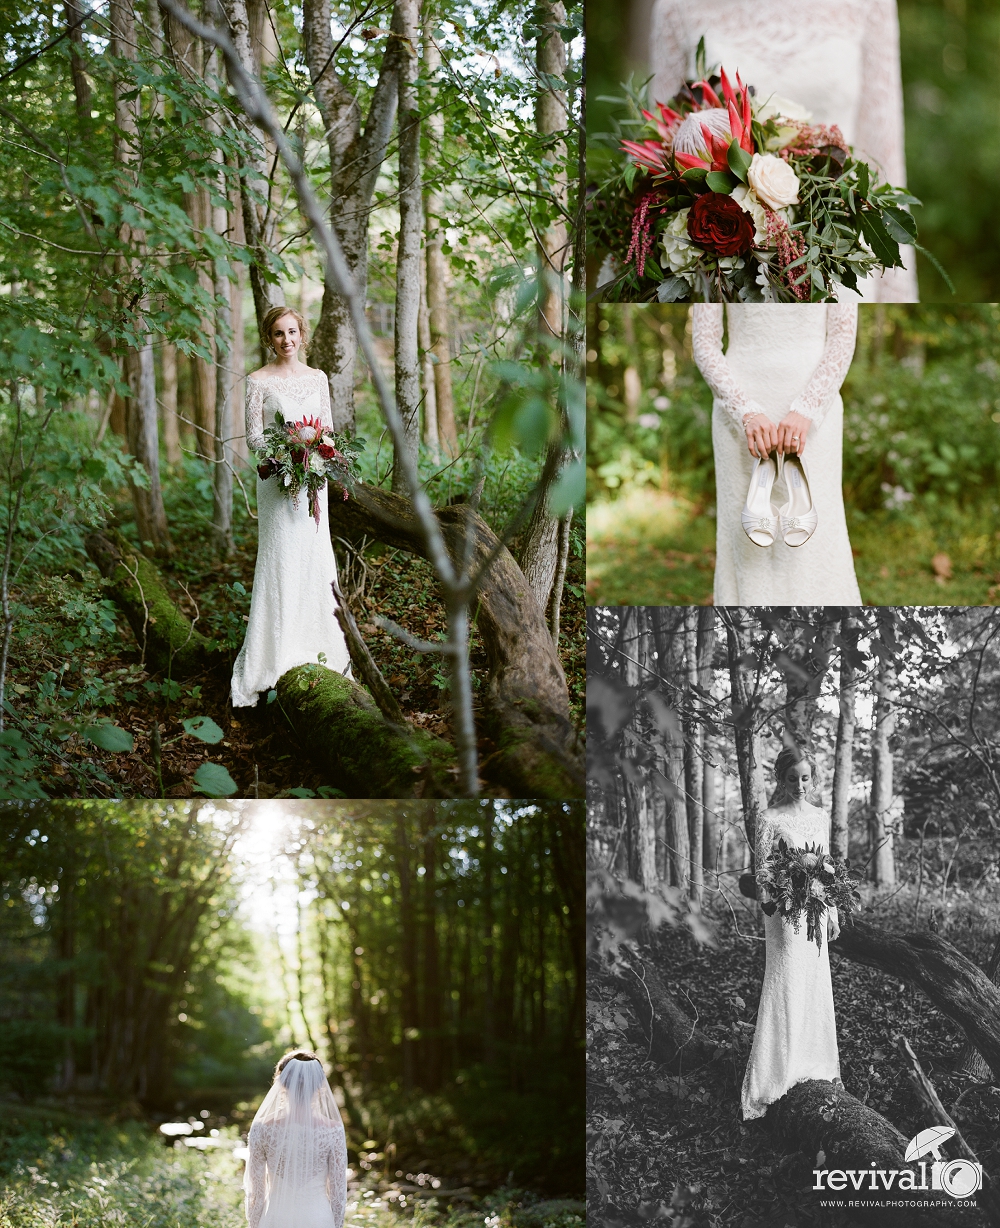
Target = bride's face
(797,780)
(285,337)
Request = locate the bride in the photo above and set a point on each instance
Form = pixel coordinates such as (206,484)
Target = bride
(838,60)
(291,607)
(796,1034)
(296,1173)
(777,390)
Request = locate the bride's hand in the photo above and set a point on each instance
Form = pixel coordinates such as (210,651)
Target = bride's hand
(792,431)
(762,435)
(832,926)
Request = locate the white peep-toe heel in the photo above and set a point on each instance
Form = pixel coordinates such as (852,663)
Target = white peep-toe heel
(797,519)
(760,520)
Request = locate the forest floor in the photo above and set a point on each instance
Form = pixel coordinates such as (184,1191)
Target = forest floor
(674,1147)
(73,655)
(61,1168)
(652,548)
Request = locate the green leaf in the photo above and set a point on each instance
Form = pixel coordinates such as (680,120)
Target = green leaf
(720,181)
(301,793)
(203,728)
(739,160)
(863,180)
(694,174)
(901,225)
(569,489)
(213,780)
(109,737)
(886,251)
(272,695)
(673,290)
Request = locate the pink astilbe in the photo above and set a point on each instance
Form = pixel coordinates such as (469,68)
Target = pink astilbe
(813,138)
(642,237)
(790,245)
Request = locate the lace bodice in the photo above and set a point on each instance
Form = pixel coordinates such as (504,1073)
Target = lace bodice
(299,395)
(840,61)
(316,1163)
(803,346)
(797,830)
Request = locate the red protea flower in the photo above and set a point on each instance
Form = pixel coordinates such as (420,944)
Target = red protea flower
(305,432)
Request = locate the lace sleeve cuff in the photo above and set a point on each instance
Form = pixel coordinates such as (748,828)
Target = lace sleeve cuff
(338,1178)
(255,1179)
(763,840)
(706,341)
(824,383)
(254,410)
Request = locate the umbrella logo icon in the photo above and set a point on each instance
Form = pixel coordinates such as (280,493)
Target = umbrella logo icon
(959,1178)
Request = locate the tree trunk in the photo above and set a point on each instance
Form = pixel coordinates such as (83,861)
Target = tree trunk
(550,119)
(671,1037)
(971,1061)
(355,159)
(406,350)
(430,433)
(746,736)
(807,644)
(222,472)
(409,1012)
(81,86)
(436,265)
(525,704)
(431,1012)
(668,635)
(710,819)
(882,825)
(140,408)
(168,403)
(958,988)
(693,773)
(844,755)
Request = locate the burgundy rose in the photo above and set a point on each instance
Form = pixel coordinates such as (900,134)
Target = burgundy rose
(327,452)
(717,223)
(265,469)
(299,456)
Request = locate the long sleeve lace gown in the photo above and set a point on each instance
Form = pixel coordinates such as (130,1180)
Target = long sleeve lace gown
(796,1034)
(316,1195)
(780,357)
(839,60)
(292,606)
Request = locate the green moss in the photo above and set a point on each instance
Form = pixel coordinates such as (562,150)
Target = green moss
(342,730)
(170,640)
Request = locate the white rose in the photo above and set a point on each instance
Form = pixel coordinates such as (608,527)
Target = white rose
(817,889)
(774,181)
(316,463)
(681,253)
(747,200)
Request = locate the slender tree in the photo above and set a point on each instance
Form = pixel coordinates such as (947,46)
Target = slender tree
(882,836)
(846,720)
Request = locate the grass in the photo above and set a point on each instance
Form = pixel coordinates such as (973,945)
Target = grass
(650,548)
(62,1170)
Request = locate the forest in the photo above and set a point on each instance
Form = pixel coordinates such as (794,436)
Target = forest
(949,59)
(405,176)
(897,710)
(921,457)
(157,957)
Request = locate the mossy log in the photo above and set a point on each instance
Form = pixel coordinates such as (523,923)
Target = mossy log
(960,989)
(341,730)
(525,705)
(817,1116)
(167,639)
(671,1036)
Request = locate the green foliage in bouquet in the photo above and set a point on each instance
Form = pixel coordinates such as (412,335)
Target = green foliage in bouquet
(808,881)
(305,455)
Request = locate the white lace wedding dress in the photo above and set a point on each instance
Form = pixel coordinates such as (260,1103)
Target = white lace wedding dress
(839,60)
(780,357)
(318,1197)
(291,607)
(796,1034)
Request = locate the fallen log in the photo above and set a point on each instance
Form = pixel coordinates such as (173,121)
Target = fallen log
(526,703)
(671,1036)
(958,988)
(341,730)
(167,639)
(837,1132)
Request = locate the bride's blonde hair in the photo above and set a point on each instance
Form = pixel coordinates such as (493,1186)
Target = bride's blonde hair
(273,315)
(789,758)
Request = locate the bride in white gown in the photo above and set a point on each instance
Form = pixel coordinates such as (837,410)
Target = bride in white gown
(292,619)
(839,60)
(296,1173)
(778,386)
(796,1034)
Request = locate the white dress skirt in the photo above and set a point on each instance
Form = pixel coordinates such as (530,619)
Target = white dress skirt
(292,619)
(780,357)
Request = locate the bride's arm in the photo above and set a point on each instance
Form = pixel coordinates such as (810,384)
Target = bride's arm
(824,383)
(326,411)
(255,1177)
(763,841)
(706,342)
(880,127)
(337,1177)
(254,412)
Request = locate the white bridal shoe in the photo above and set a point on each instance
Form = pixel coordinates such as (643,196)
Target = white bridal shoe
(797,520)
(760,520)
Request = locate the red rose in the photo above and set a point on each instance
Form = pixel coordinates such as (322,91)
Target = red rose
(265,469)
(299,456)
(327,452)
(717,223)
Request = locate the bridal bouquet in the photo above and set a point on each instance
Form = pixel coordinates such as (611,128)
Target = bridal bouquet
(305,455)
(808,880)
(735,199)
